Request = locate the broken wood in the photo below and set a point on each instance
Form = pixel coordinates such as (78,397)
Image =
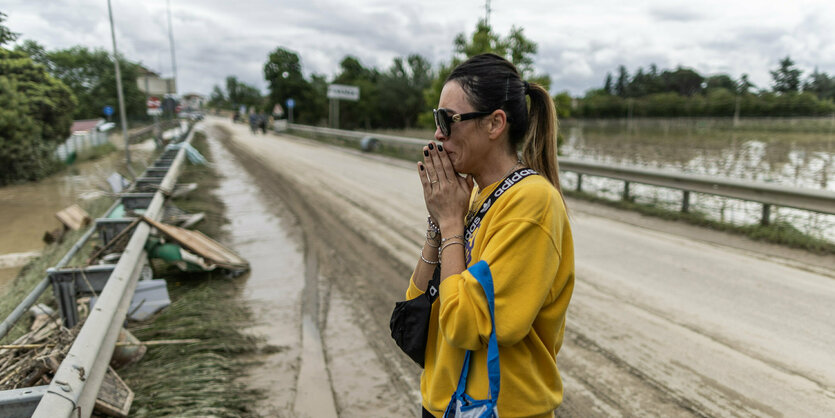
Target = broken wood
(73,217)
(115,397)
(200,244)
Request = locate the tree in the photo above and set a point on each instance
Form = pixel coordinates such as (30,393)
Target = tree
(744,85)
(362,113)
(562,102)
(607,86)
(623,81)
(91,77)
(722,81)
(6,35)
(400,98)
(683,81)
(821,84)
(35,116)
(786,78)
(283,73)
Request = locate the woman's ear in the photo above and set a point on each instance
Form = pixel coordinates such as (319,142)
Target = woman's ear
(497,124)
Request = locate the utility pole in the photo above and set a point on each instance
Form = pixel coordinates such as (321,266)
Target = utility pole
(487,11)
(122,115)
(171,42)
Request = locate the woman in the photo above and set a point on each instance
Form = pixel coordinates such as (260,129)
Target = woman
(482,122)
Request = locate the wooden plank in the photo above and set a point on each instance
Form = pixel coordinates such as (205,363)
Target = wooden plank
(200,244)
(73,217)
(115,397)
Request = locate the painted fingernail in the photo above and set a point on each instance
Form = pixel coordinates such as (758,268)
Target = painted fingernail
(421,167)
(440,147)
(431,146)
(425,153)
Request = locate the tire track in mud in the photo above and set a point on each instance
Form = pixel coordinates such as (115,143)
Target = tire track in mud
(364,272)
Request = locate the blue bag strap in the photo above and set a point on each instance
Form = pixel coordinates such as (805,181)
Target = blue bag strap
(481,271)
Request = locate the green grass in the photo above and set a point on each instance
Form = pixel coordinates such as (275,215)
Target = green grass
(96,152)
(196,379)
(777,232)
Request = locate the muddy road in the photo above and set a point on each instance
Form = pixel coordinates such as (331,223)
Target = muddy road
(666,320)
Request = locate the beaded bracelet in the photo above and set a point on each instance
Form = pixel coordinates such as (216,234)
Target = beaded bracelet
(433,263)
(432,225)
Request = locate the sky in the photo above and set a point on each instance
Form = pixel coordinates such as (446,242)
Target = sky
(579,42)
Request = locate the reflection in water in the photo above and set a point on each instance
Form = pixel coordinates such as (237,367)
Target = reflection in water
(805,160)
(28,210)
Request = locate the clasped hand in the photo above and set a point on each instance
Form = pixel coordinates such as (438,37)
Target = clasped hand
(447,195)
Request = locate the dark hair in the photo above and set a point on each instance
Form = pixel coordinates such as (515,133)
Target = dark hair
(492,82)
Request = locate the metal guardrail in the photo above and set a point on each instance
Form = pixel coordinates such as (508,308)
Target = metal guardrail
(357,134)
(821,201)
(74,388)
(76,384)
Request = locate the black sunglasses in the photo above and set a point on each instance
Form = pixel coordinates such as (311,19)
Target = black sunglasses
(444,121)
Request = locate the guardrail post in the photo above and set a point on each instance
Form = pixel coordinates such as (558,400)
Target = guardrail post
(64,289)
(685,201)
(626,190)
(579,182)
(766,214)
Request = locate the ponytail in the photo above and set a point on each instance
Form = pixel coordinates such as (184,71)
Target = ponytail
(539,149)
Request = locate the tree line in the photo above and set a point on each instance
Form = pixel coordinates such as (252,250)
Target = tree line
(685,92)
(41,93)
(400,96)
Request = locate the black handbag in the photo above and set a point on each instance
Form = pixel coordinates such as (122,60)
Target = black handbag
(410,321)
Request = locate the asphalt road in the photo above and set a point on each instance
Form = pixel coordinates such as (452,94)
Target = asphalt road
(661,323)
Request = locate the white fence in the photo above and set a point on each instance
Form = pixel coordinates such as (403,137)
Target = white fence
(80,141)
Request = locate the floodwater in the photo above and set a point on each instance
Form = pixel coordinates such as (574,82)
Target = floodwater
(282,290)
(28,210)
(804,159)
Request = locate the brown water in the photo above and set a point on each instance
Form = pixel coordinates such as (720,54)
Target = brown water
(28,210)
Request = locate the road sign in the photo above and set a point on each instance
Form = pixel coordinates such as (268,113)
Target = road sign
(154,106)
(108,111)
(291,103)
(343,92)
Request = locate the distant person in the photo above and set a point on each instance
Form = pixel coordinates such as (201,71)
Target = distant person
(482,122)
(262,122)
(235,117)
(253,122)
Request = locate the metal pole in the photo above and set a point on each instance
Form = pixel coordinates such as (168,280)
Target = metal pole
(171,42)
(122,115)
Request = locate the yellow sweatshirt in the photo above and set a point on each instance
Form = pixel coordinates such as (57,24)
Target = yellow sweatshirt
(526,240)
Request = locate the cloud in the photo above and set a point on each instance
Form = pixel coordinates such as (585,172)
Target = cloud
(676,12)
(578,42)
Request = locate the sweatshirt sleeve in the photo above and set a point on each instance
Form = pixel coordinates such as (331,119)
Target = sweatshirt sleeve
(413,291)
(523,259)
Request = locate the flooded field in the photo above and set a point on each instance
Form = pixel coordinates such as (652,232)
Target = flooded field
(28,210)
(793,152)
